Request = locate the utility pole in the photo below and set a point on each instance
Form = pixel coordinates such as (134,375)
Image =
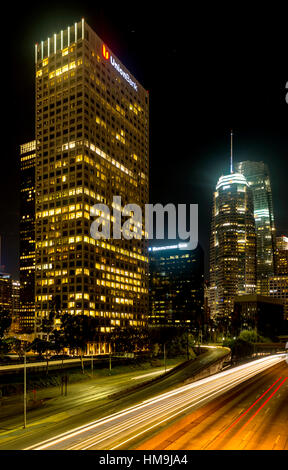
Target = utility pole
(92,364)
(66,383)
(25,391)
(165,356)
(110,363)
(187,346)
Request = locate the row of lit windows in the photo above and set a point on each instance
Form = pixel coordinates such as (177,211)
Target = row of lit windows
(99,243)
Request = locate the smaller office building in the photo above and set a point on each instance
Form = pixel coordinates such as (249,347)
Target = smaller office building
(176,286)
(257,312)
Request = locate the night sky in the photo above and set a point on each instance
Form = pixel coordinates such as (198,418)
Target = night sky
(207,70)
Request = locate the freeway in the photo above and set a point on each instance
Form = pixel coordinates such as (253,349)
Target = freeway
(81,397)
(252,416)
(126,428)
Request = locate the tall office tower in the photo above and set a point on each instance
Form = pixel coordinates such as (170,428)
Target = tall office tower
(5,292)
(92,144)
(257,175)
(281,256)
(176,286)
(278,288)
(232,244)
(27,237)
(2,267)
(15,307)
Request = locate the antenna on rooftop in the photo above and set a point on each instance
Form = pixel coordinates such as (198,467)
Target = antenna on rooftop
(231,155)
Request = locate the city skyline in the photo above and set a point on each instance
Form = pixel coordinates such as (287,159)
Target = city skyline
(256,113)
(144,212)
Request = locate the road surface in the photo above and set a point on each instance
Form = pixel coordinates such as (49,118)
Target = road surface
(253,416)
(129,427)
(79,394)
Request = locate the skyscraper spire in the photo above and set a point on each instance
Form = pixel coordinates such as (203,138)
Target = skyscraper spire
(231,156)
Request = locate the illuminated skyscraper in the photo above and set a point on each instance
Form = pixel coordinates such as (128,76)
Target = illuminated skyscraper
(232,244)
(257,175)
(281,256)
(278,288)
(5,292)
(15,300)
(27,237)
(278,284)
(92,144)
(10,299)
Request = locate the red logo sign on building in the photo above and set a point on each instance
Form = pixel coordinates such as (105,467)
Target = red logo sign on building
(105,53)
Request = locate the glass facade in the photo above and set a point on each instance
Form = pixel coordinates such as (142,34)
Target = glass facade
(5,292)
(257,175)
(281,256)
(176,286)
(27,237)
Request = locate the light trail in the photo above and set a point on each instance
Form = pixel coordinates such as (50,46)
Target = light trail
(151,373)
(250,407)
(263,404)
(119,428)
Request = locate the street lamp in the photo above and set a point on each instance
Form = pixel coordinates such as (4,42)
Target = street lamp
(25,387)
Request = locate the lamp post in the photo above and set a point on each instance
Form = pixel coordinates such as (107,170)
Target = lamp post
(25,388)
(110,363)
(187,344)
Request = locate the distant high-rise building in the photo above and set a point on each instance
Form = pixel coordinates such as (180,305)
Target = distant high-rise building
(278,288)
(207,315)
(278,284)
(257,175)
(15,307)
(92,144)
(281,256)
(176,286)
(5,292)
(232,244)
(2,267)
(257,312)
(27,237)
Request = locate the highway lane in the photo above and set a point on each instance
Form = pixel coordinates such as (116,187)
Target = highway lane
(121,430)
(252,416)
(79,395)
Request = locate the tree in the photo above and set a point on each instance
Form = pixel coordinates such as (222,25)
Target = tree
(128,339)
(4,347)
(177,340)
(250,336)
(5,322)
(16,345)
(58,342)
(41,347)
(78,331)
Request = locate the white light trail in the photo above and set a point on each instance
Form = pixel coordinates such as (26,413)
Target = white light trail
(119,428)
